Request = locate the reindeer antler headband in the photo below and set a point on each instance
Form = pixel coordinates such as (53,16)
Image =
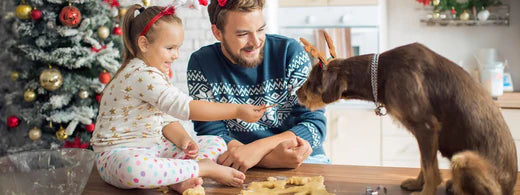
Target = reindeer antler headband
(320,55)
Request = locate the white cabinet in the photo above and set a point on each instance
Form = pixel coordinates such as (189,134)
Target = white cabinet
(356,136)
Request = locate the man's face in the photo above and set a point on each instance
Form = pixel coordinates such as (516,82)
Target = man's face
(243,37)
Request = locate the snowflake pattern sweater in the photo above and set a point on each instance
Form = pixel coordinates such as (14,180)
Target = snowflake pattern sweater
(286,65)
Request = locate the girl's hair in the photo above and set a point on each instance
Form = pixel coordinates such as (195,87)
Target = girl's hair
(217,13)
(133,26)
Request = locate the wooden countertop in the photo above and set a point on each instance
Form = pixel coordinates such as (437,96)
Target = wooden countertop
(510,100)
(339,179)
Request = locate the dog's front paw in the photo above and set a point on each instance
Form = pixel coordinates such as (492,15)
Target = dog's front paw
(411,184)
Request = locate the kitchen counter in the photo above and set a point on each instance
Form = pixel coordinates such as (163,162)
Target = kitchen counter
(339,179)
(509,100)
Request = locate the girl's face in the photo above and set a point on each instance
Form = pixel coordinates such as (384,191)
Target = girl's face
(164,49)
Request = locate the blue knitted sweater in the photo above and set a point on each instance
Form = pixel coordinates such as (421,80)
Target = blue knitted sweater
(286,65)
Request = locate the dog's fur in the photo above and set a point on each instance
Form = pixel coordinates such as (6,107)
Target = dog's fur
(440,104)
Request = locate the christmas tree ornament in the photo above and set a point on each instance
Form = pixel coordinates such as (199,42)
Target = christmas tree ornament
(104,77)
(483,15)
(51,79)
(83,94)
(23,11)
(61,135)
(90,127)
(103,32)
(122,12)
(14,76)
(35,134)
(29,95)
(464,16)
(117,30)
(436,2)
(147,2)
(36,14)
(13,121)
(453,13)
(70,16)
(98,98)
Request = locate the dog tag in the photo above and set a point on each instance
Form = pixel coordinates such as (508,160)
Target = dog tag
(380,110)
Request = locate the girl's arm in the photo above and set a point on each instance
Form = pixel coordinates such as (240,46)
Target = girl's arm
(176,133)
(212,111)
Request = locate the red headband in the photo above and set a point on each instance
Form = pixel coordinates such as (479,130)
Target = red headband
(166,11)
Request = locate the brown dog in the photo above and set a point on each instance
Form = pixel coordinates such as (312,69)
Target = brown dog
(438,102)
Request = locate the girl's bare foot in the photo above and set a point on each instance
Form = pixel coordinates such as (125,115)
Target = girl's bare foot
(221,174)
(190,183)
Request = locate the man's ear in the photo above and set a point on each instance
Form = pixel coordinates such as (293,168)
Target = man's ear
(142,43)
(332,87)
(216,32)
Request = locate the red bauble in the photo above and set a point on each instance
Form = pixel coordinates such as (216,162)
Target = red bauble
(13,121)
(36,14)
(90,127)
(98,98)
(117,30)
(70,16)
(104,77)
(203,2)
(76,143)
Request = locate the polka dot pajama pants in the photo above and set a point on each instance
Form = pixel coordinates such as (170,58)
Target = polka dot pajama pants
(151,167)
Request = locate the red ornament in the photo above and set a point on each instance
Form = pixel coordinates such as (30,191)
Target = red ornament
(424,2)
(90,127)
(453,11)
(112,3)
(98,98)
(36,14)
(222,3)
(104,77)
(203,2)
(76,143)
(93,49)
(13,121)
(117,30)
(70,16)
(170,73)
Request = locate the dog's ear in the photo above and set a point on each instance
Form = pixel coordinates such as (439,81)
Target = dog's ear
(332,86)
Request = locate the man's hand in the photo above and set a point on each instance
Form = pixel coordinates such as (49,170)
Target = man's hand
(190,148)
(288,154)
(241,157)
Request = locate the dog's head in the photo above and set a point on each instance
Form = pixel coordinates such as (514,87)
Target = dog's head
(323,85)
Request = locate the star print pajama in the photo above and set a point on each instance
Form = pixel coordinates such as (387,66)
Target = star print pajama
(151,167)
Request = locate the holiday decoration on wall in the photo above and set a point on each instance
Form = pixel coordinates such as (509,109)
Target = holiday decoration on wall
(457,7)
(61,63)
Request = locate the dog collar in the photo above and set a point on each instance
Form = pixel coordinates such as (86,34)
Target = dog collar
(380,108)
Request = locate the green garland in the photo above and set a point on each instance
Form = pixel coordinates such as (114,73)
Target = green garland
(461,5)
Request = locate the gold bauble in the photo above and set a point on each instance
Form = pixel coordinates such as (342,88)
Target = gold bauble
(35,134)
(436,2)
(14,76)
(464,16)
(103,32)
(51,79)
(122,12)
(29,95)
(83,94)
(61,135)
(147,2)
(23,11)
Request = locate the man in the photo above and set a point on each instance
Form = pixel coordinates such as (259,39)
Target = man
(248,66)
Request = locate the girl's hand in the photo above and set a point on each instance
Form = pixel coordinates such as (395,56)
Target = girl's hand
(250,113)
(190,148)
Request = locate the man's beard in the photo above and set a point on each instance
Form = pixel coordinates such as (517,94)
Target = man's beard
(242,61)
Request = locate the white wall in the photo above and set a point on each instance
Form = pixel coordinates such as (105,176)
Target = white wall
(456,43)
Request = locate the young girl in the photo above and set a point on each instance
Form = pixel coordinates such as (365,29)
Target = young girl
(137,141)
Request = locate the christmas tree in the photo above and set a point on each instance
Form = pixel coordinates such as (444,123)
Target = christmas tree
(57,58)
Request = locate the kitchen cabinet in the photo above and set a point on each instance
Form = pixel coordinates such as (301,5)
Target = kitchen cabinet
(308,3)
(356,136)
